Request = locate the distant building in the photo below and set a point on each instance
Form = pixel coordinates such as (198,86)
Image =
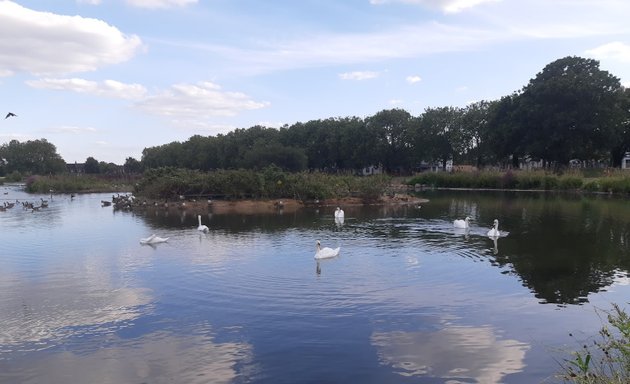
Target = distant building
(371,170)
(625,162)
(75,168)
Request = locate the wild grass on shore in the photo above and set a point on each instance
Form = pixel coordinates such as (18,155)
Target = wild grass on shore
(611,182)
(69,183)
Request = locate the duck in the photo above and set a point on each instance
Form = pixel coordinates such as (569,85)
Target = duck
(339,214)
(459,223)
(494,231)
(154,239)
(325,253)
(202,227)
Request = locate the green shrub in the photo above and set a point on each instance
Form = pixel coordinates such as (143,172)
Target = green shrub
(14,176)
(271,182)
(603,361)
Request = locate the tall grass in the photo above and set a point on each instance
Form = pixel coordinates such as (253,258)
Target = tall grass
(605,360)
(610,182)
(78,183)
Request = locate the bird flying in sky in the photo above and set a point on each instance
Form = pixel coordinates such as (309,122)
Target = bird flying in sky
(9,115)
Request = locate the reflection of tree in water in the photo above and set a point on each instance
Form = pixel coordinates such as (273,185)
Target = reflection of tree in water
(580,249)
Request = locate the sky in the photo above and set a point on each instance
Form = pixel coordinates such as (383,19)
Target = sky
(108,78)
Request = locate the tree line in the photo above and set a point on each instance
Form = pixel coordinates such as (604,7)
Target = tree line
(572,109)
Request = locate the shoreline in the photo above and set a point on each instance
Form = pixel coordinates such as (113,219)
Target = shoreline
(262,206)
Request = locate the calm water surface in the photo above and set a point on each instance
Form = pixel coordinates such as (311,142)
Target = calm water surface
(409,299)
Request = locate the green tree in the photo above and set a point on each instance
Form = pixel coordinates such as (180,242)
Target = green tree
(572,110)
(440,132)
(32,157)
(393,131)
(92,166)
(505,133)
(132,166)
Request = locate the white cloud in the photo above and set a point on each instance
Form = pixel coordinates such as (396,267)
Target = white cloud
(73,130)
(160,4)
(358,75)
(507,23)
(413,79)
(90,2)
(46,43)
(107,88)
(616,51)
(395,102)
(447,6)
(198,102)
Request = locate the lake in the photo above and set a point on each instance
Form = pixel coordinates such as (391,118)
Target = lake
(409,299)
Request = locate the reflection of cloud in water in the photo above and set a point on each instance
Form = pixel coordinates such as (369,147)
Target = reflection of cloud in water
(72,300)
(621,278)
(159,357)
(451,353)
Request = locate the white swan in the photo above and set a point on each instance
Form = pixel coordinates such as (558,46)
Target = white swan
(494,232)
(153,239)
(325,253)
(339,213)
(462,223)
(202,227)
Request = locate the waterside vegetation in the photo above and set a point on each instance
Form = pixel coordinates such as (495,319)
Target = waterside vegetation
(605,360)
(606,181)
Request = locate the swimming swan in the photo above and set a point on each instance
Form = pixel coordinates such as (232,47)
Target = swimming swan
(325,253)
(339,213)
(462,223)
(494,232)
(202,227)
(153,239)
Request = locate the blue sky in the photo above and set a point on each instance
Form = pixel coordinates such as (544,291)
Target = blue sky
(107,78)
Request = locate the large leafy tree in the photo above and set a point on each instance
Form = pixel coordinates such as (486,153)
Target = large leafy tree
(571,110)
(92,165)
(34,156)
(505,134)
(392,129)
(440,132)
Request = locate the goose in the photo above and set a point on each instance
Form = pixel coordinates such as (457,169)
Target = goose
(494,231)
(339,213)
(459,223)
(325,253)
(202,227)
(153,239)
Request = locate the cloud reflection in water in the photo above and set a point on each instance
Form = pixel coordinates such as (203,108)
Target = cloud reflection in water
(455,352)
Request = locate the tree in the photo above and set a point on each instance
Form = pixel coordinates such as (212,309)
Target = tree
(505,133)
(132,165)
(440,132)
(392,129)
(572,110)
(475,125)
(34,157)
(92,165)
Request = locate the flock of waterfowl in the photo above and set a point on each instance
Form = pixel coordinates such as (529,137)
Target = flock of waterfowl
(26,205)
